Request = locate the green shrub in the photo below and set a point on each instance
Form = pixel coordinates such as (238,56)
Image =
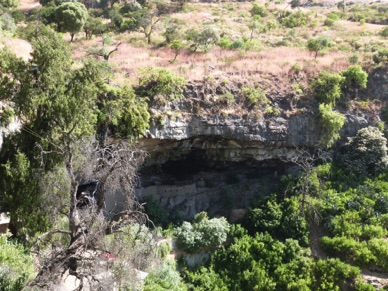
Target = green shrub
(379,248)
(267,217)
(254,96)
(16,267)
(295,19)
(332,274)
(160,81)
(202,233)
(332,122)
(259,10)
(384,32)
(164,277)
(366,153)
(204,39)
(381,57)
(326,88)
(355,77)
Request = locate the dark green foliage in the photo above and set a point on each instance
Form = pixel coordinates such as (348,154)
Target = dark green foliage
(381,57)
(155,211)
(71,17)
(332,122)
(326,87)
(122,112)
(281,220)
(332,274)
(366,153)
(355,77)
(266,217)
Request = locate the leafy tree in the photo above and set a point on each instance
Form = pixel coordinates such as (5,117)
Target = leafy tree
(326,87)
(177,46)
(61,109)
(204,39)
(332,122)
(71,17)
(94,26)
(317,45)
(366,153)
(355,77)
(341,5)
(202,233)
(258,10)
(254,25)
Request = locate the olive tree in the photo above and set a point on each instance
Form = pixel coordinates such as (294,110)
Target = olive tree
(71,17)
(317,45)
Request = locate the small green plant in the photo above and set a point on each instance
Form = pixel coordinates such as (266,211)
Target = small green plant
(254,96)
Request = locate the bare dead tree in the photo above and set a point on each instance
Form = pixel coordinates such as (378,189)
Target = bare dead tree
(77,248)
(105,50)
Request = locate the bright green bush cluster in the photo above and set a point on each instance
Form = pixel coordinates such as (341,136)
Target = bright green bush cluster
(16,267)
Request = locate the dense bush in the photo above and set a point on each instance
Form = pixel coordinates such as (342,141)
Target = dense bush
(332,123)
(160,82)
(295,19)
(381,57)
(202,233)
(16,267)
(366,153)
(326,87)
(355,77)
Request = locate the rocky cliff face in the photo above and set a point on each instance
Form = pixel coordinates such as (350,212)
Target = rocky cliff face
(208,140)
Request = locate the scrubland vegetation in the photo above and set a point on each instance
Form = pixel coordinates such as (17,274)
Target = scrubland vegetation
(86,79)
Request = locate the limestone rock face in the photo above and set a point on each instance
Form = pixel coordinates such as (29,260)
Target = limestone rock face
(238,139)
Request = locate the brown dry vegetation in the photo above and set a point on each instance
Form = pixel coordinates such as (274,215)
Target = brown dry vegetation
(269,60)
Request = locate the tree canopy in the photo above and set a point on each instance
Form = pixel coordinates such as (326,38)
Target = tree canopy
(71,17)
